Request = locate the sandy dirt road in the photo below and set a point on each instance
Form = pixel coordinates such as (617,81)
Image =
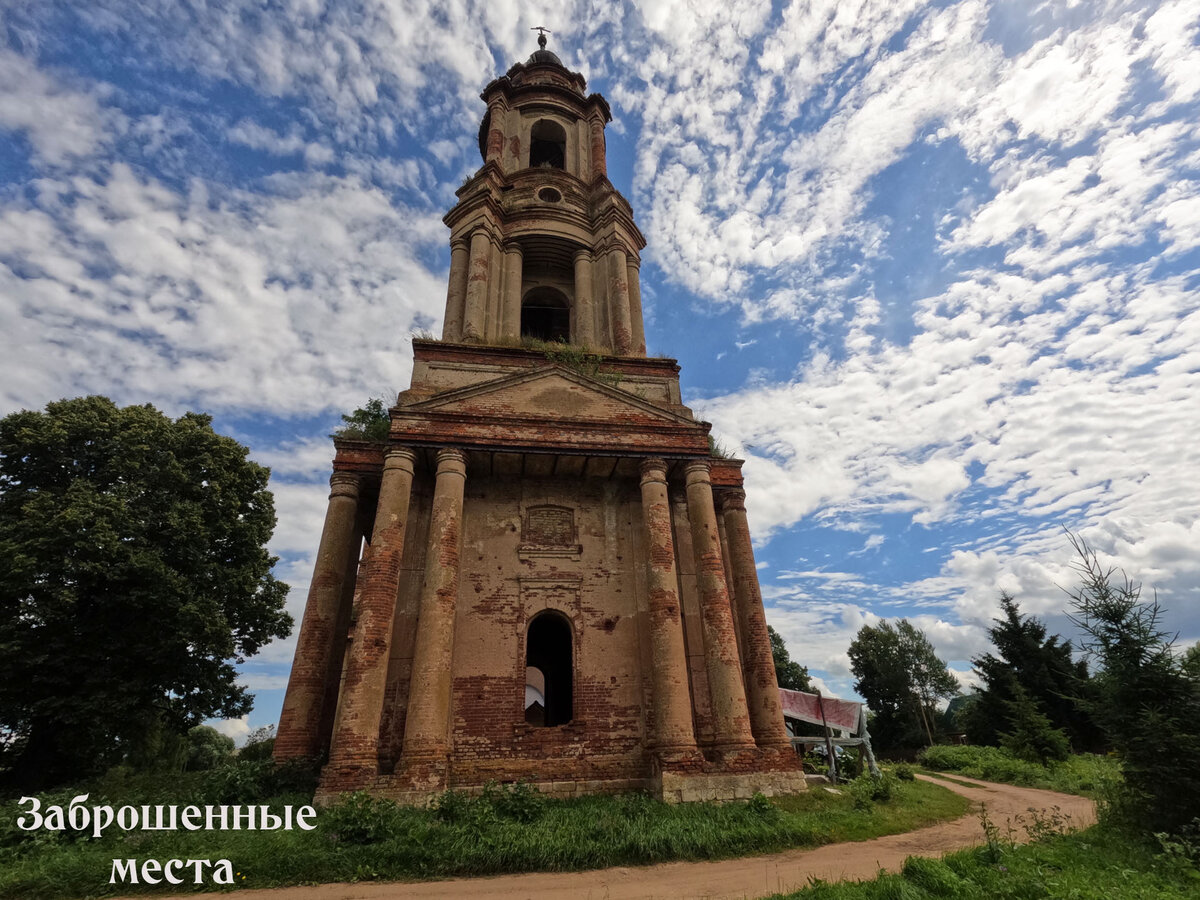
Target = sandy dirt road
(752,876)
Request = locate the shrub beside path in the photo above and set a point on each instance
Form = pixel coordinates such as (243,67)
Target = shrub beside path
(751,876)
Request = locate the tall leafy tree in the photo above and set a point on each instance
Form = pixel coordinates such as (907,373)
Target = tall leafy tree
(1031,736)
(1146,701)
(901,678)
(135,575)
(1191,661)
(789,674)
(1041,668)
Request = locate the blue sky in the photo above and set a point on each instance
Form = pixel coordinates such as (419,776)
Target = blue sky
(931,268)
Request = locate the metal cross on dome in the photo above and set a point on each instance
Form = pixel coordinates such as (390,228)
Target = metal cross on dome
(542,32)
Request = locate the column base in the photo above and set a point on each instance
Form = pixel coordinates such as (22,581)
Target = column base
(731,773)
(684,758)
(421,773)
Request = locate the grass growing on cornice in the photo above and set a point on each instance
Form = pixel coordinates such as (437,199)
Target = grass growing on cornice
(367,423)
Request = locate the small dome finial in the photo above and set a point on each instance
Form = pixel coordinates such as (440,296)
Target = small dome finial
(542,32)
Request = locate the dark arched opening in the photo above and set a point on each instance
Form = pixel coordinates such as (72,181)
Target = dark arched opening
(545,315)
(548,649)
(547,145)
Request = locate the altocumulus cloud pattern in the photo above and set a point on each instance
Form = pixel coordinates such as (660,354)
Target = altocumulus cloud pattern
(931,268)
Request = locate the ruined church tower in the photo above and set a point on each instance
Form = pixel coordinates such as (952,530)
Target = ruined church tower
(543,574)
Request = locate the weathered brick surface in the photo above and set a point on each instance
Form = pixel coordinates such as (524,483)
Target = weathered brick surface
(429,687)
(511,486)
(299,732)
(354,751)
(758,664)
(730,717)
(670,717)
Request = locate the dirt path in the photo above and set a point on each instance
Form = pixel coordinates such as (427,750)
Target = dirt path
(754,876)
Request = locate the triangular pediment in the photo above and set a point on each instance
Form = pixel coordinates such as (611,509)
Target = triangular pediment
(553,392)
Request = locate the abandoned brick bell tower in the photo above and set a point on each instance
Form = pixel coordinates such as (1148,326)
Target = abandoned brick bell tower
(557,584)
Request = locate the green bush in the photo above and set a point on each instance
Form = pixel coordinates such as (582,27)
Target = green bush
(1083,773)
(258,780)
(259,745)
(1032,736)
(903,772)
(867,790)
(367,423)
(359,818)
(519,802)
(207,748)
(761,805)
(988,763)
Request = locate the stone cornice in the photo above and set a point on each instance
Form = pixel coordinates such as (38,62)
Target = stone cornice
(544,435)
(445,351)
(358,456)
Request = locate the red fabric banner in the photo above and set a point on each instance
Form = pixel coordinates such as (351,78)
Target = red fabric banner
(807,708)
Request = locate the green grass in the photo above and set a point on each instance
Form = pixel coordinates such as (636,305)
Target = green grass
(508,831)
(1096,863)
(1085,773)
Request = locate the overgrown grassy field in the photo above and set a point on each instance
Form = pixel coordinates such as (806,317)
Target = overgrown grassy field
(1085,773)
(507,830)
(1097,863)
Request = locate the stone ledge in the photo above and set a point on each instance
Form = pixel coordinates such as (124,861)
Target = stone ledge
(675,787)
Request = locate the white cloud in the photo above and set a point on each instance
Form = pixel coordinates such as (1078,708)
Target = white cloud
(61,123)
(238,729)
(300,299)
(308,457)
(251,134)
(1046,374)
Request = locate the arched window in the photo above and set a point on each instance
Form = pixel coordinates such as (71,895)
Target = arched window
(548,650)
(547,145)
(545,315)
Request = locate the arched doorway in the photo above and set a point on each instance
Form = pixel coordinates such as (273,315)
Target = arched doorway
(546,315)
(548,649)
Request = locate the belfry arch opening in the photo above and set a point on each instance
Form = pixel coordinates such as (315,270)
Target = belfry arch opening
(547,145)
(548,654)
(546,315)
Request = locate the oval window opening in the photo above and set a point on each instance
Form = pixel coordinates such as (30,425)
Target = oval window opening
(549,195)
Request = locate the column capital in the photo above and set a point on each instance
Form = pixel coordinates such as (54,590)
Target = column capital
(583,256)
(481,230)
(731,498)
(452,459)
(460,242)
(400,458)
(512,246)
(654,471)
(608,245)
(698,471)
(343,484)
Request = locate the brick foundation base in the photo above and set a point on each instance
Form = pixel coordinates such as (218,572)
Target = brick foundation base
(673,777)
(689,787)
